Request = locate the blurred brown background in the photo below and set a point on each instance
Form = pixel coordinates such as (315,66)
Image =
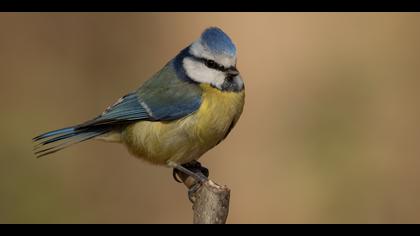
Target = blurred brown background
(330,131)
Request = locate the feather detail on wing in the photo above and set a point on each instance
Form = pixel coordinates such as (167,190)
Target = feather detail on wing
(164,97)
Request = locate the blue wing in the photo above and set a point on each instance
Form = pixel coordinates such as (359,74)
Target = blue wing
(167,96)
(126,109)
(164,97)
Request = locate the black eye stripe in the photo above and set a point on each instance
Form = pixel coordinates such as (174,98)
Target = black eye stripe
(214,65)
(211,64)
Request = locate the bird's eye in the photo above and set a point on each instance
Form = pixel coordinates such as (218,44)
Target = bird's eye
(211,64)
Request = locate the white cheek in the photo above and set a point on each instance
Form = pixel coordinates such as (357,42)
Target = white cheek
(198,72)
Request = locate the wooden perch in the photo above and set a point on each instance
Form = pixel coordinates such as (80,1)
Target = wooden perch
(210,201)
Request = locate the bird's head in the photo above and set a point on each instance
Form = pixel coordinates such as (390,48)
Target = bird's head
(212,60)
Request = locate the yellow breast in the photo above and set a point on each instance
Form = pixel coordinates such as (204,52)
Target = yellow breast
(186,139)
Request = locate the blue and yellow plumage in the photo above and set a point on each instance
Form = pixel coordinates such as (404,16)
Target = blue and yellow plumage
(183,111)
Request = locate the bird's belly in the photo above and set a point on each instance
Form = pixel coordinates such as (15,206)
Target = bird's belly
(186,139)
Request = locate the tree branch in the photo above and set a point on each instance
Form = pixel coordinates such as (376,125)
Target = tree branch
(210,201)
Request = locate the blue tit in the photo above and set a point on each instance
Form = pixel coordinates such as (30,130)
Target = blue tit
(181,112)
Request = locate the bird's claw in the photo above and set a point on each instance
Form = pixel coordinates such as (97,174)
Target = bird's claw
(175,175)
(198,172)
(193,169)
(193,190)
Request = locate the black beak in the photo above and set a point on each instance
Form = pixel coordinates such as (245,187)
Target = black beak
(232,71)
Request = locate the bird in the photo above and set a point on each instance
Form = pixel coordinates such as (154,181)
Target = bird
(178,114)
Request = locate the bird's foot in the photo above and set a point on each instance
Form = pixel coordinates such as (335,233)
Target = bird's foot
(198,173)
(192,190)
(193,169)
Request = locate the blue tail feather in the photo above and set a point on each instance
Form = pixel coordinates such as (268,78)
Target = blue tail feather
(56,140)
(53,133)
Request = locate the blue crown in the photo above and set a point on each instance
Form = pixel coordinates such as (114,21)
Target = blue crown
(217,41)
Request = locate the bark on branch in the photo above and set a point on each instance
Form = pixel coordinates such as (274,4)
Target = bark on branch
(210,201)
